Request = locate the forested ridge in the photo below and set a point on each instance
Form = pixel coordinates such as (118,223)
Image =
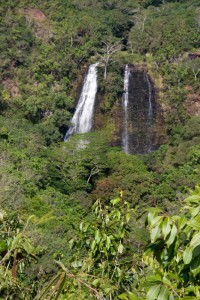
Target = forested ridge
(82,219)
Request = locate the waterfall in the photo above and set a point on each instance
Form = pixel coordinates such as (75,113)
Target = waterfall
(82,119)
(125,135)
(150,112)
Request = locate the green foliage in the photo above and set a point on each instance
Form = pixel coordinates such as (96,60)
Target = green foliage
(16,253)
(16,40)
(112,87)
(169,267)
(173,255)
(43,62)
(98,264)
(168,44)
(74,167)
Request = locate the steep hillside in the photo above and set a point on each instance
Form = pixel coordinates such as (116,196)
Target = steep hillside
(45,52)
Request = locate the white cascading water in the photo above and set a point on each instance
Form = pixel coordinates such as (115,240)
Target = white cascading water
(125,136)
(82,119)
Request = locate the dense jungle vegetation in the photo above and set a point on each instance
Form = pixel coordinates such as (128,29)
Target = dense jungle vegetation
(72,219)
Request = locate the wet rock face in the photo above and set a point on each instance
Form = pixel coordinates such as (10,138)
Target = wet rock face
(144,118)
(144,122)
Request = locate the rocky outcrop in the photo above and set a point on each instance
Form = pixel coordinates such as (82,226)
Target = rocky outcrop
(192,103)
(11,86)
(195,55)
(41,23)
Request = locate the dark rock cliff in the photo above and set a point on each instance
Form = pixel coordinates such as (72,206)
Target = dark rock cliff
(146,128)
(145,120)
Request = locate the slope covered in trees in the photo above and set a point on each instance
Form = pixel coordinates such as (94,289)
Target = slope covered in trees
(45,50)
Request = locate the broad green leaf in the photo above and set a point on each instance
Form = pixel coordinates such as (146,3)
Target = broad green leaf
(1,216)
(108,242)
(96,282)
(187,230)
(3,246)
(182,222)
(128,216)
(195,199)
(76,264)
(153,212)
(93,245)
(71,243)
(132,296)
(172,235)
(163,294)
(190,289)
(195,266)
(153,292)
(119,272)
(195,211)
(171,297)
(152,280)
(61,265)
(107,290)
(174,276)
(115,201)
(97,236)
(81,226)
(120,248)
(194,224)
(178,256)
(196,251)
(187,255)
(150,217)
(118,215)
(123,297)
(85,227)
(155,233)
(166,227)
(113,252)
(195,240)
(121,233)
(156,221)
(166,281)
(107,219)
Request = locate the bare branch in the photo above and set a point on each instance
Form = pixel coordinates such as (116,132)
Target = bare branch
(107,52)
